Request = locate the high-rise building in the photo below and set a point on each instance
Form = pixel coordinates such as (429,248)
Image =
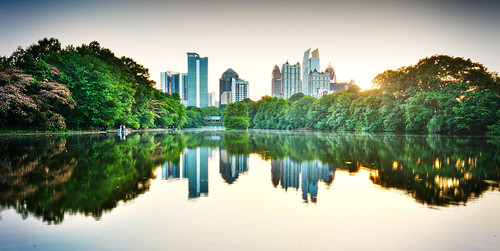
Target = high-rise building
(314,61)
(225,82)
(239,90)
(318,81)
(211,99)
(291,83)
(197,80)
(331,71)
(309,64)
(276,82)
(170,82)
(225,98)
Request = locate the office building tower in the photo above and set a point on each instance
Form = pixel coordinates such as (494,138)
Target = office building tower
(184,86)
(318,81)
(310,63)
(239,90)
(225,98)
(170,82)
(291,83)
(225,82)
(276,82)
(197,80)
(211,99)
(331,71)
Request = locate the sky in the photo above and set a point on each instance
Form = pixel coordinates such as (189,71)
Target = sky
(360,38)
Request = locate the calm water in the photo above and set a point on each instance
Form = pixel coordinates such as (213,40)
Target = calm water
(268,190)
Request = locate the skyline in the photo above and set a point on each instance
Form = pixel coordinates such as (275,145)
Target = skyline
(361,39)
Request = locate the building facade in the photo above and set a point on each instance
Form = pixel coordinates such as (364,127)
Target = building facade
(318,80)
(331,71)
(225,82)
(342,85)
(170,82)
(239,90)
(276,82)
(310,63)
(197,80)
(291,82)
(225,98)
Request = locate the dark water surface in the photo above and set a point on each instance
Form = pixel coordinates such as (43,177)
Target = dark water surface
(268,190)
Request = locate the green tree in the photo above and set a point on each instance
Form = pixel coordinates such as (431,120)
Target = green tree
(236,116)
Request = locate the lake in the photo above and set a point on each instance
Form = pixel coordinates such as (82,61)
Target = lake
(268,190)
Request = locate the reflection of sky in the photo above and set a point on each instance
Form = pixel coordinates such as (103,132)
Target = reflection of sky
(360,38)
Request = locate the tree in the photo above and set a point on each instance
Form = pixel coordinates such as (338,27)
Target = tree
(236,116)
(25,101)
(295,97)
(296,116)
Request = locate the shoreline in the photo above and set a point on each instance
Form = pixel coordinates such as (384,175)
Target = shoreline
(81,132)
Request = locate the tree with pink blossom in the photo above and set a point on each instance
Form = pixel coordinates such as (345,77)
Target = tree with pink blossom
(25,101)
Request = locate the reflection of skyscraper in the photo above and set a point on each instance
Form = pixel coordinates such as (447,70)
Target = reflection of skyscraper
(170,170)
(196,171)
(276,166)
(197,91)
(289,172)
(312,172)
(231,166)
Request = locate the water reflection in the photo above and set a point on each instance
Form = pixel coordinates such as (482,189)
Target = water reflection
(289,173)
(231,166)
(194,168)
(50,176)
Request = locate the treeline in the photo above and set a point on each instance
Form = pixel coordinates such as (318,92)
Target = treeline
(440,94)
(86,87)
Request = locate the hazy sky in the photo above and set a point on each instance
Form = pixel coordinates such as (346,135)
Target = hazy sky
(359,38)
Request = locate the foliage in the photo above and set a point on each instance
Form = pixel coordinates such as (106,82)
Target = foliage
(236,116)
(440,94)
(109,91)
(25,101)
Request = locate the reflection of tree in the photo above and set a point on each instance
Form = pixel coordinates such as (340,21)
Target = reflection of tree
(234,155)
(434,170)
(86,174)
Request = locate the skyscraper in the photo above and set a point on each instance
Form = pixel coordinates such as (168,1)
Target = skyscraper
(184,86)
(225,82)
(239,90)
(291,83)
(276,82)
(211,99)
(309,64)
(170,82)
(331,71)
(197,80)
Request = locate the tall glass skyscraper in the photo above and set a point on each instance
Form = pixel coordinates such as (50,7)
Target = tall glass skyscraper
(197,80)
(276,82)
(225,82)
(170,82)
(309,64)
